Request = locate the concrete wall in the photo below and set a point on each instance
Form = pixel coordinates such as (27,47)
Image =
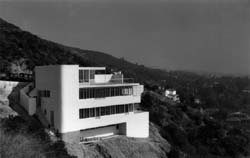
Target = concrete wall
(131,125)
(100,78)
(137,123)
(137,90)
(29,103)
(49,78)
(99,102)
(69,98)
(100,132)
(138,126)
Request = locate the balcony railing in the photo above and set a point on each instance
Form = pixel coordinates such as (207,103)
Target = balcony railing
(107,82)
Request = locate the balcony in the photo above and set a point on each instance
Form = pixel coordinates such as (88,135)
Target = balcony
(107,79)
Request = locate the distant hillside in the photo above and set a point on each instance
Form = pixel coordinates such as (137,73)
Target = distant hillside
(17,45)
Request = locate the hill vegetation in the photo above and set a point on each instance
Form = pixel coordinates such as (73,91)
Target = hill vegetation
(193,132)
(17,46)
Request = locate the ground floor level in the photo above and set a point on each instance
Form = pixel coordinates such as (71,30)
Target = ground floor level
(138,128)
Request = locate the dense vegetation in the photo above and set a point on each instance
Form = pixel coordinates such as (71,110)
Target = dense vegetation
(212,91)
(188,126)
(194,133)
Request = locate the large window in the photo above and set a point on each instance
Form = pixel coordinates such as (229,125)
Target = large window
(80,75)
(86,75)
(107,110)
(85,93)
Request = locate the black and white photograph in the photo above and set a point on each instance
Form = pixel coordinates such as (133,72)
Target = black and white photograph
(124,78)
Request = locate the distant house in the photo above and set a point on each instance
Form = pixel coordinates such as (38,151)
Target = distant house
(197,101)
(238,118)
(246,91)
(171,94)
(82,105)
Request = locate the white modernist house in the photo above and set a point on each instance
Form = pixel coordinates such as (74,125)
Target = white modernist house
(84,103)
(171,94)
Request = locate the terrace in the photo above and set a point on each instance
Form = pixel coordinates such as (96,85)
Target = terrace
(99,76)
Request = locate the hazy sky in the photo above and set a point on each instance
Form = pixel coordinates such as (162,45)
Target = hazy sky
(200,35)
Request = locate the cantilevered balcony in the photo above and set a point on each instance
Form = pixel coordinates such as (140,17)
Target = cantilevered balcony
(107,79)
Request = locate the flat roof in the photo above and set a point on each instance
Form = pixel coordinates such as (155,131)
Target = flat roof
(84,85)
(81,68)
(92,68)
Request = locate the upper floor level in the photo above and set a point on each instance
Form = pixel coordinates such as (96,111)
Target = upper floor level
(99,76)
(84,82)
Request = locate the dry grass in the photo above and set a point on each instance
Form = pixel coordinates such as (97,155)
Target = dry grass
(19,146)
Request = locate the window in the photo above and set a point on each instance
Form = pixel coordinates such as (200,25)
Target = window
(112,110)
(126,108)
(117,109)
(107,110)
(131,107)
(92,112)
(81,93)
(86,113)
(85,75)
(85,93)
(81,113)
(80,75)
(103,111)
(44,93)
(92,74)
(97,112)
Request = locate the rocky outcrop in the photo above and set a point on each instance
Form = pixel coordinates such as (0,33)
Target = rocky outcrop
(123,147)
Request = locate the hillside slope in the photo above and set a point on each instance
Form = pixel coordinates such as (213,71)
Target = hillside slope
(123,147)
(17,46)
(16,129)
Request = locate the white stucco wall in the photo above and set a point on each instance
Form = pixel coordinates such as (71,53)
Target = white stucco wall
(137,124)
(100,78)
(116,100)
(100,132)
(49,78)
(29,103)
(63,83)
(69,98)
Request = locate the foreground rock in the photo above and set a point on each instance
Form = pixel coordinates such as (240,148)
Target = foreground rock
(123,147)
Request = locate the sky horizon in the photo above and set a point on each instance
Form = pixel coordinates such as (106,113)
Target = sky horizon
(204,36)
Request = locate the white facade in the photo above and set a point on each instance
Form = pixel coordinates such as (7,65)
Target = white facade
(28,101)
(79,104)
(171,94)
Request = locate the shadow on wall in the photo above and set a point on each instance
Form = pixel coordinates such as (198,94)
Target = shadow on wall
(23,135)
(13,98)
